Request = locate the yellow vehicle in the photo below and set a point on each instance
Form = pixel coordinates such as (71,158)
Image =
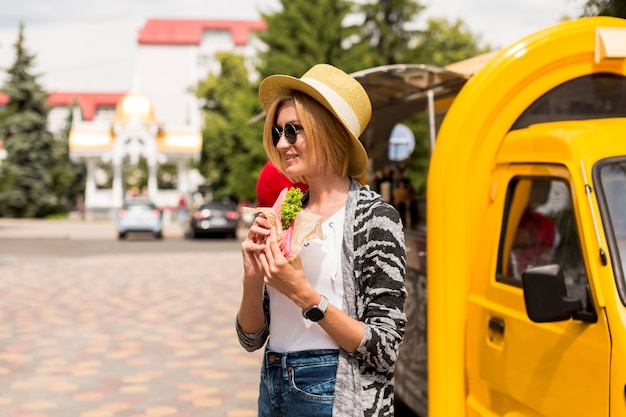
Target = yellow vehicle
(517,291)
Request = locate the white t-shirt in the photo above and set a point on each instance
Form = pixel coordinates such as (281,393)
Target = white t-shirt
(321,261)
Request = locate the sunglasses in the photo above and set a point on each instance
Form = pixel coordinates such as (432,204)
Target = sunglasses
(290,131)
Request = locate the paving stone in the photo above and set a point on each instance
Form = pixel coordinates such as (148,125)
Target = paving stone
(124,335)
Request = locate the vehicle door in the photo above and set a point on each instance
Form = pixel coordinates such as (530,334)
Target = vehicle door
(517,367)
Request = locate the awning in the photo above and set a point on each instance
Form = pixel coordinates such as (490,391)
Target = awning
(398,91)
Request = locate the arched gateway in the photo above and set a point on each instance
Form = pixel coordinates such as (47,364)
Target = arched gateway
(133,134)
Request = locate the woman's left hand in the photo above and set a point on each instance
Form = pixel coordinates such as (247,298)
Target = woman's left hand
(286,277)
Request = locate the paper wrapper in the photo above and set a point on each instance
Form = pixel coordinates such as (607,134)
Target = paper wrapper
(306,226)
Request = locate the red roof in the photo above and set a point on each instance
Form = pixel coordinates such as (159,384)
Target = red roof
(88,102)
(189,32)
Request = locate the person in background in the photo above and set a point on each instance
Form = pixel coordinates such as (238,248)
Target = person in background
(332,320)
(271,182)
(181,210)
(536,236)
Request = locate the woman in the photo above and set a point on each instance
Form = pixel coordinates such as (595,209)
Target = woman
(334,316)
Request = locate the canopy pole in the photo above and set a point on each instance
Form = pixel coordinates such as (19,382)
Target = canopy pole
(431,119)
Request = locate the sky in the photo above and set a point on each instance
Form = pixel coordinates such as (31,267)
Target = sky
(89,45)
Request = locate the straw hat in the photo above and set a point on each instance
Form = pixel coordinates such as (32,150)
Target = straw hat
(341,94)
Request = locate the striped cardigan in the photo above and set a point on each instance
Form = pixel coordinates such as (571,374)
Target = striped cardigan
(373,264)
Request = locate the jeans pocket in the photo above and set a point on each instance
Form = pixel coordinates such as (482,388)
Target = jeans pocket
(314,381)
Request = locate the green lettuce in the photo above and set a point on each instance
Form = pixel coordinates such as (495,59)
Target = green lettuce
(291,206)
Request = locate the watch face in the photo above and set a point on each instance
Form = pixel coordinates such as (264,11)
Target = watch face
(314,314)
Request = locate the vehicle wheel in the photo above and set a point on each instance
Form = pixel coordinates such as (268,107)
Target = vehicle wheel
(158,235)
(121,235)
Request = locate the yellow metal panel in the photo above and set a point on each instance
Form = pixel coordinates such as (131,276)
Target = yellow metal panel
(459,180)
(530,369)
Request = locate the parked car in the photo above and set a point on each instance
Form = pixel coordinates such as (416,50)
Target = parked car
(139,216)
(214,218)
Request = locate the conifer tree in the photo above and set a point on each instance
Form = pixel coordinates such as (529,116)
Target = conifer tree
(615,8)
(26,189)
(305,33)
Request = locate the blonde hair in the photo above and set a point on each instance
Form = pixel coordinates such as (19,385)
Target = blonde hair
(325,135)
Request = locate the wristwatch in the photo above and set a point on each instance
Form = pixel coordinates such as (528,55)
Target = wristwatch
(316,312)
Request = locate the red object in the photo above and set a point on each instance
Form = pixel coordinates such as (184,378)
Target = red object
(286,243)
(270,183)
(540,228)
(540,238)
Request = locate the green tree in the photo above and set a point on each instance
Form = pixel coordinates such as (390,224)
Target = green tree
(232,148)
(443,43)
(386,30)
(68,176)
(305,33)
(27,183)
(615,8)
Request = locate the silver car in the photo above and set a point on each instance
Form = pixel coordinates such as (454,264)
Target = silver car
(139,216)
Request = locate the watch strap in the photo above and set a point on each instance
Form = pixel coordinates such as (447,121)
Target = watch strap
(316,312)
(323,305)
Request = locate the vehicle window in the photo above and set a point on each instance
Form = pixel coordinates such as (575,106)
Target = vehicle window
(140,206)
(540,229)
(613,192)
(592,96)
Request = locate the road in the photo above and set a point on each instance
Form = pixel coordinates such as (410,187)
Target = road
(93,326)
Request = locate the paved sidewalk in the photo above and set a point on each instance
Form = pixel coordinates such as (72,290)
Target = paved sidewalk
(121,335)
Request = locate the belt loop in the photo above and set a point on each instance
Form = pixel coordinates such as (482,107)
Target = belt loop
(283,363)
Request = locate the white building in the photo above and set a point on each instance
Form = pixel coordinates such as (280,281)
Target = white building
(174,55)
(161,118)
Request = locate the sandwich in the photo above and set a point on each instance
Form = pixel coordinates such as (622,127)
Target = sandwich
(293,225)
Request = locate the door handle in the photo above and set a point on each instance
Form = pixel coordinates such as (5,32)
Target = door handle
(496,325)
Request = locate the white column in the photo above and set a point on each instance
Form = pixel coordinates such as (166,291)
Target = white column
(90,184)
(153,185)
(118,189)
(182,184)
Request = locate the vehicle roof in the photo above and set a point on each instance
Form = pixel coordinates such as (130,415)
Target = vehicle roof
(565,142)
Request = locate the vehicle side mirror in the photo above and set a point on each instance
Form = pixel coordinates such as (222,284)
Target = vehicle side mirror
(545,294)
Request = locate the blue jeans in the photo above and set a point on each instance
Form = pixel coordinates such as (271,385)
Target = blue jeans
(298,383)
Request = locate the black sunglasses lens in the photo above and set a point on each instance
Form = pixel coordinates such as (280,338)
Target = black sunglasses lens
(290,132)
(275,135)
